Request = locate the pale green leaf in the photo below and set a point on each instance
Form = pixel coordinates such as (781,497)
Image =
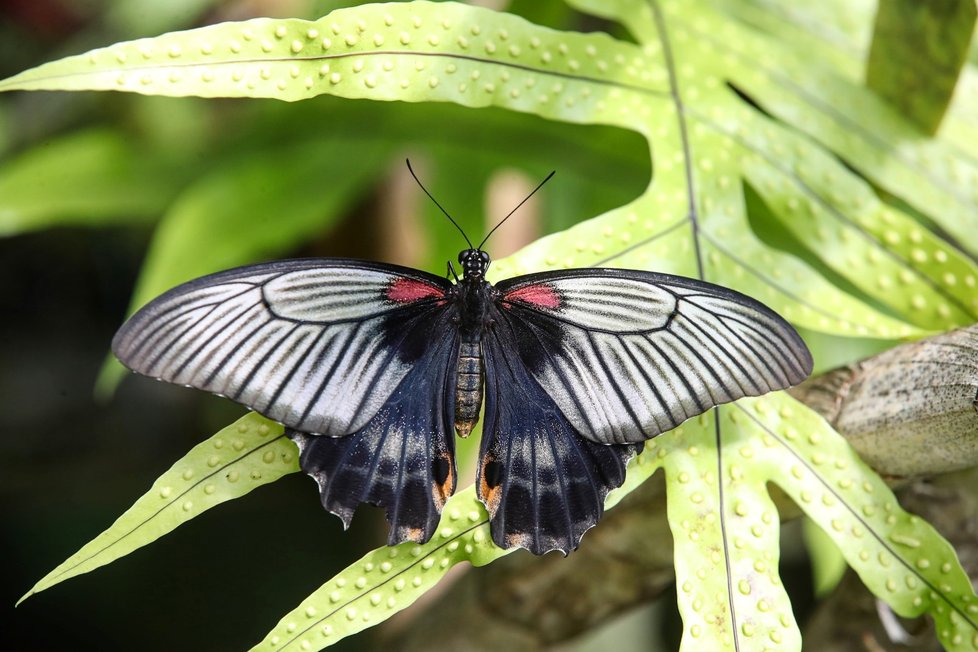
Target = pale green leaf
(442,52)
(690,87)
(386,580)
(245,455)
(725,529)
(899,557)
(725,526)
(838,113)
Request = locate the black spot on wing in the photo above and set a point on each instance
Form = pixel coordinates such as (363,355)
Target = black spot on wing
(492,472)
(441,469)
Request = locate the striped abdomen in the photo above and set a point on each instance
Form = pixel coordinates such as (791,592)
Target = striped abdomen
(468,388)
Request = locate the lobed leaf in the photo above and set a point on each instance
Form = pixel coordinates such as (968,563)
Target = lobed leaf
(418,51)
(245,455)
(442,52)
(899,557)
(842,116)
(714,97)
(725,529)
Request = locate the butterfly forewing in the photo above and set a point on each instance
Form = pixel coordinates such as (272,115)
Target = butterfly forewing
(318,345)
(627,355)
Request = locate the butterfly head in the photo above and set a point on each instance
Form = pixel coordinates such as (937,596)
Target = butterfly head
(474,262)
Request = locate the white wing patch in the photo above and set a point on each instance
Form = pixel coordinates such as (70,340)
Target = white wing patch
(326,294)
(614,304)
(302,344)
(638,353)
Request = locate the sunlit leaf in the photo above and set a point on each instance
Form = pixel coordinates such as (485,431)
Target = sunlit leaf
(245,455)
(386,580)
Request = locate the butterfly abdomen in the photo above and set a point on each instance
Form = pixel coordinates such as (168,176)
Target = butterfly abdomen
(468,388)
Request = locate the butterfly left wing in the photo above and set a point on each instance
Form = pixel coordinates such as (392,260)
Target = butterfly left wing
(583,365)
(316,344)
(403,458)
(362,353)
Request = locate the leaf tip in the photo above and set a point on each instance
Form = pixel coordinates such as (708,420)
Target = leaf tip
(25,596)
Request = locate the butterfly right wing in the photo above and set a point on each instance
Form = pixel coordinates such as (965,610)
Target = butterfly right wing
(318,345)
(543,484)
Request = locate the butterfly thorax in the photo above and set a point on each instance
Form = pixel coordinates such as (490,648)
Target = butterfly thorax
(473,301)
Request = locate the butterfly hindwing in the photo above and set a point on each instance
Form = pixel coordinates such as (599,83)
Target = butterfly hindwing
(543,484)
(403,459)
(627,355)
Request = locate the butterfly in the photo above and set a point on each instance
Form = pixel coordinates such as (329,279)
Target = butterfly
(374,368)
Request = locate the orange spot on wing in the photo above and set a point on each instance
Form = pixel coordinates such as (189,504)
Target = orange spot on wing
(440,493)
(489,495)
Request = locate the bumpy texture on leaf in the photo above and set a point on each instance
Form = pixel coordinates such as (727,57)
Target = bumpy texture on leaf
(387,580)
(899,557)
(245,455)
(448,52)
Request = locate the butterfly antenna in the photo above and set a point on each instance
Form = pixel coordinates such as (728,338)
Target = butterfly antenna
(525,199)
(450,219)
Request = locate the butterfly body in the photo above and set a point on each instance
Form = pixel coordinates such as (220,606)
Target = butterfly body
(473,295)
(375,368)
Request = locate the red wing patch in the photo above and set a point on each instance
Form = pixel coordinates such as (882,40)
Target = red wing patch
(539,296)
(409,290)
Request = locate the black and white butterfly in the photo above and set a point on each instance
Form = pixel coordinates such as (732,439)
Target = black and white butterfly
(374,368)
